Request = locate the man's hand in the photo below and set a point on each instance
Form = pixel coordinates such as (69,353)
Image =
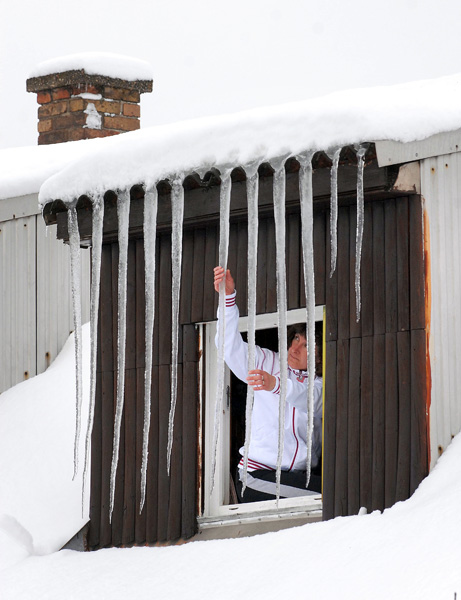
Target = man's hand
(261,380)
(219,275)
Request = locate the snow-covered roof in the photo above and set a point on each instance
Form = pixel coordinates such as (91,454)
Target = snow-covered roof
(97,63)
(404,113)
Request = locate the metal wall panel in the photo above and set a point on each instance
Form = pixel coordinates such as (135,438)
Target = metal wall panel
(35,296)
(441,189)
(17,301)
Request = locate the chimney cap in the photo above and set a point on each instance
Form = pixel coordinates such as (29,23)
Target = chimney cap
(95,68)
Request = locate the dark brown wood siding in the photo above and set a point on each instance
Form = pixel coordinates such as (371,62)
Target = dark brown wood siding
(375,396)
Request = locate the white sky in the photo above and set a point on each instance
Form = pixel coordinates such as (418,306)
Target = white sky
(211,58)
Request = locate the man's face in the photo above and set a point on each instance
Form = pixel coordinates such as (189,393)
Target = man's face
(297,353)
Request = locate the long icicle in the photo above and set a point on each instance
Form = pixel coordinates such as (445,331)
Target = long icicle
(150,235)
(252,196)
(224,201)
(177,208)
(279,217)
(74,242)
(306,198)
(359,231)
(97,229)
(334,211)
(123,211)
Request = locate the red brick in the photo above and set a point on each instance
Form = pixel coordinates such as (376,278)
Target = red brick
(60,93)
(121,123)
(100,133)
(77,104)
(76,133)
(44,125)
(121,94)
(68,120)
(105,106)
(131,110)
(53,137)
(43,97)
(52,109)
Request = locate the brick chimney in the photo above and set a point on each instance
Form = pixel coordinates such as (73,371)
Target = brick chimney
(76,105)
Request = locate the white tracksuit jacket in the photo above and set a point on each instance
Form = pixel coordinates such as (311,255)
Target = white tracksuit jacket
(264,424)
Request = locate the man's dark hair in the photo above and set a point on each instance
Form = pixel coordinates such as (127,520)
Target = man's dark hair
(300,329)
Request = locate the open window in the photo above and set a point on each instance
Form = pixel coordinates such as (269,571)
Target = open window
(219,507)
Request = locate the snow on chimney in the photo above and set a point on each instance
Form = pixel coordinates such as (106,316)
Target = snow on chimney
(89,95)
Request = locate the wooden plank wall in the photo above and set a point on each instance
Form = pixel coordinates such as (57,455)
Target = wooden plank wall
(374,446)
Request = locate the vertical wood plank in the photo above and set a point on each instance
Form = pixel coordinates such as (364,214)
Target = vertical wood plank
(242,266)
(402,491)
(391,426)
(198,279)
(131,350)
(355,327)
(403,275)
(331,294)
(390,265)
(175,492)
(419,459)
(140,292)
(377,481)
(417,306)
(163,310)
(189,448)
(329,432)
(341,466)
(107,405)
(353,426)
(320,258)
(294,261)
(129,481)
(119,502)
(343,268)
(185,305)
(95,478)
(140,534)
(379,286)
(106,359)
(366,271)
(210,297)
(163,479)
(366,423)
(152,500)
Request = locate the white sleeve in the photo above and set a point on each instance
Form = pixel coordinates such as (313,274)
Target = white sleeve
(236,350)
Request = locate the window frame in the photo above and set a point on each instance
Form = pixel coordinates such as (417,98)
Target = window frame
(214,509)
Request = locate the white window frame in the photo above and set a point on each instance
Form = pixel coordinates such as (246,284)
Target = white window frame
(216,509)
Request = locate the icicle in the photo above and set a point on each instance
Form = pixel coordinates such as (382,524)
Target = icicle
(306,198)
(359,232)
(74,242)
(98,221)
(252,195)
(279,217)
(123,212)
(334,210)
(177,208)
(224,201)
(150,235)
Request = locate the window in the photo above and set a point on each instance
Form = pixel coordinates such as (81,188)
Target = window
(219,507)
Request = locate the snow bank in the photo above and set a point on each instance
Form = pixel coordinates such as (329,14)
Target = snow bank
(40,505)
(402,112)
(411,551)
(97,63)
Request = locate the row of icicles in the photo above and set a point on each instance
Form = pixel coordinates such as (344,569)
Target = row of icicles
(150,227)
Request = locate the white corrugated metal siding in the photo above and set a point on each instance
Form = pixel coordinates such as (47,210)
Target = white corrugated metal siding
(441,190)
(35,299)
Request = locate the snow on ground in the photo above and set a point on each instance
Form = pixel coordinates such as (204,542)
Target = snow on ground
(411,551)
(97,63)
(40,505)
